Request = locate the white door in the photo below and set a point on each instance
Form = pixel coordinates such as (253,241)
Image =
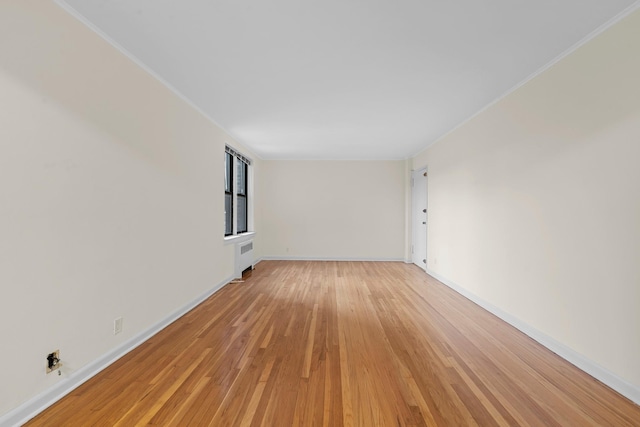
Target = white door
(419,216)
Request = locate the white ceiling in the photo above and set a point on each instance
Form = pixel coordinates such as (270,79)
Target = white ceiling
(344,79)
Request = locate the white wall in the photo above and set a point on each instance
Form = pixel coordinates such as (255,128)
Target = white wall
(111,198)
(534,204)
(333,209)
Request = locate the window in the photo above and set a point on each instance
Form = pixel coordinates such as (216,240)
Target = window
(236,193)
(228,195)
(241,194)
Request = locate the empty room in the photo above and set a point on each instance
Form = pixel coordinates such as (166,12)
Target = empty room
(218,213)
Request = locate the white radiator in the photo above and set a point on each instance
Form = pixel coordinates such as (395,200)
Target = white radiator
(244,257)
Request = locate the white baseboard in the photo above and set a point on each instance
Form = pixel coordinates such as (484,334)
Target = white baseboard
(623,387)
(302,258)
(42,401)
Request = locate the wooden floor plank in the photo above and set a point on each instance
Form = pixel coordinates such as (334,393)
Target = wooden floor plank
(340,344)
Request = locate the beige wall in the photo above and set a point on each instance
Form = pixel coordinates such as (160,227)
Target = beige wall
(333,209)
(111,198)
(534,204)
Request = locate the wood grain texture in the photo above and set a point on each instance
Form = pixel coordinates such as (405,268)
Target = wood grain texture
(340,343)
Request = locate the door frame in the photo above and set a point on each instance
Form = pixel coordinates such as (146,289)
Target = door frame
(415,214)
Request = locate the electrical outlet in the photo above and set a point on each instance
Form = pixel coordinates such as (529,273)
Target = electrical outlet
(117,326)
(53,361)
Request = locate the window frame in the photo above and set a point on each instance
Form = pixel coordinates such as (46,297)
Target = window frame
(236,193)
(228,191)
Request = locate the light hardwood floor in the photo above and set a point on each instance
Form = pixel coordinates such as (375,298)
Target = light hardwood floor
(340,343)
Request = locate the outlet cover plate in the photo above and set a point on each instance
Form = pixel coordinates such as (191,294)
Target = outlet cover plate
(117,326)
